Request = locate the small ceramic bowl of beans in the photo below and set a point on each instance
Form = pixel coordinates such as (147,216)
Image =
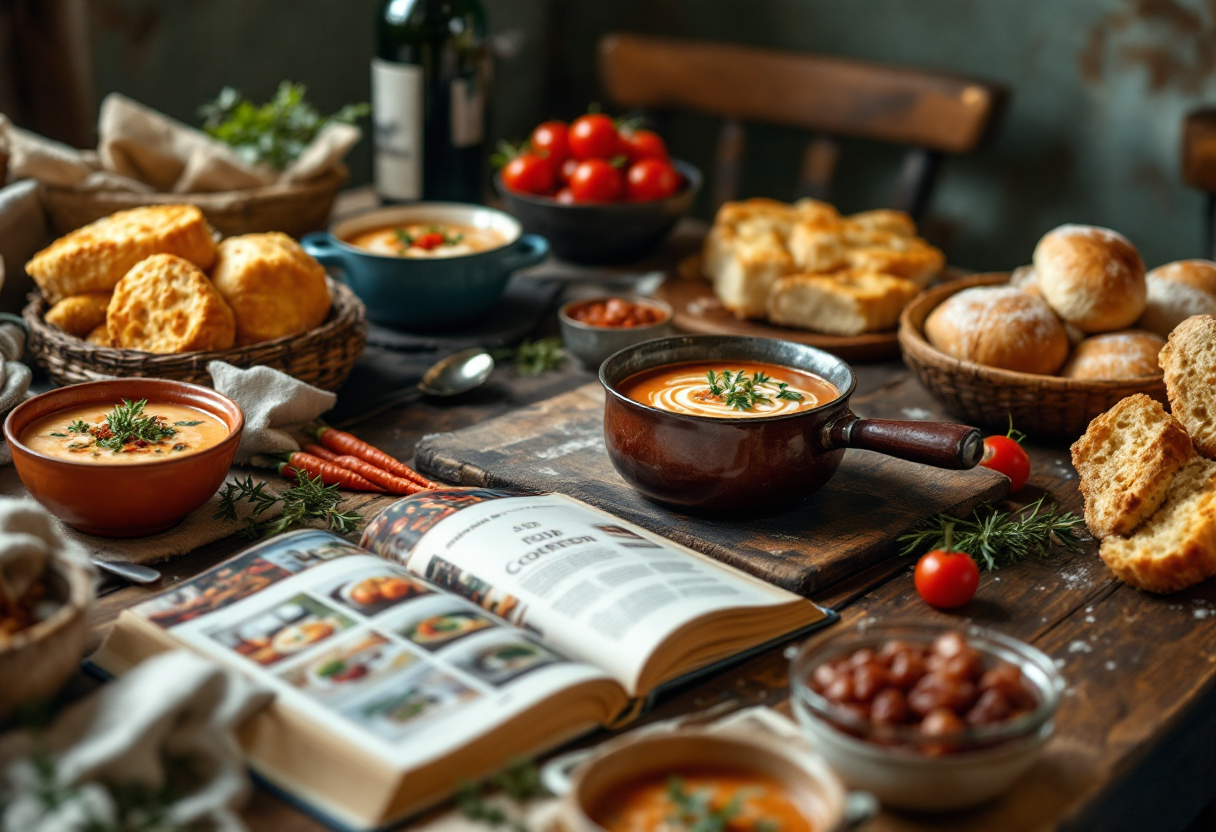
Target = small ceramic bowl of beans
(926,717)
(595,328)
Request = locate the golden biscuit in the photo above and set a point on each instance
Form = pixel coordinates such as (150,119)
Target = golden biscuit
(165,304)
(273,287)
(100,336)
(94,258)
(80,314)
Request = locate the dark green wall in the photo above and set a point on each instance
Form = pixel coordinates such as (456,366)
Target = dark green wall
(1100,88)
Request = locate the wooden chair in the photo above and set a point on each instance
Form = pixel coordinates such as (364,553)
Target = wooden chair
(933,113)
(1199,165)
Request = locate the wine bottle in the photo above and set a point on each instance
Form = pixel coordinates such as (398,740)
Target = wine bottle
(429,80)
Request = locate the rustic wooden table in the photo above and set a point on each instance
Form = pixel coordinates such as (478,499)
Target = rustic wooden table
(1136,733)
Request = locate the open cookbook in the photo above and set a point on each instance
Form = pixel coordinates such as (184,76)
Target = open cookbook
(469,627)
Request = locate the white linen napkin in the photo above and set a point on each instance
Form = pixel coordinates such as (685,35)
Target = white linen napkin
(14,376)
(29,543)
(273,403)
(170,722)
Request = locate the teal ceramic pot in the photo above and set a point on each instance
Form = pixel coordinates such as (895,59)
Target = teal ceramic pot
(418,293)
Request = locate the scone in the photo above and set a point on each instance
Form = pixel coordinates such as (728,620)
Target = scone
(1171,302)
(999,326)
(1189,361)
(1200,274)
(1115,355)
(1176,547)
(845,303)
(750,269)
(273,286)
(1092,277)
(165,304)
(80,314)
(1127,461)
(94,258)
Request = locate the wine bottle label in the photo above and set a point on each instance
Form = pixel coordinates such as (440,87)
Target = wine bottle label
(468,111)
(397,127)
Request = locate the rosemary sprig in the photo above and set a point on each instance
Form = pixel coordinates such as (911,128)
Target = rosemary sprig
(740,392)
(999,538)
(532,358)
(126,423)
(306,501)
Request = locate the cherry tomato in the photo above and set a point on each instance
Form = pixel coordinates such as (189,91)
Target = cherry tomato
(551,139)
(643,144)
(594,136)
(596,181)
(1007,457)
(428,241)
(566,173)
(565,196)
(946,579)
(528,173)
(651,179)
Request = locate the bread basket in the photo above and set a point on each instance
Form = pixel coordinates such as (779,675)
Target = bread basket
(1048,406)
(294,208)
(323,357)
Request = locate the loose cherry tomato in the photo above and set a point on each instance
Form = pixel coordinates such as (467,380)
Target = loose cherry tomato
(643,144)
(651,179)
(594,136)
(596,181)
(565,196)
(566,172)
(946,579)
(528,173)
(551,139)
(1004,455)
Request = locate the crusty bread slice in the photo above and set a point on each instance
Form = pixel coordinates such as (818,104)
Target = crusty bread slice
(1127,461)
(843,303)
(1176,548)
(1189,361)
(743,278)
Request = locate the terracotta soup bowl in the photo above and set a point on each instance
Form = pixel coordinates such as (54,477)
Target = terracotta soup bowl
(124,500)
(760,464)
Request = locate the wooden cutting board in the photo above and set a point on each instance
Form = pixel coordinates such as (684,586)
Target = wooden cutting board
(849,525)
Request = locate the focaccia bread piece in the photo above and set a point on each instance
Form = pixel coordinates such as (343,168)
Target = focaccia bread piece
(744,278)
(1127,461)
(165,304)
(80,314)
(1092,277)
(826,245)
(1176,547)
(273,286)
(1111,356)
(908,257)
(846,303)
(886,219)
(1189,361)
(999,326)
(94,258)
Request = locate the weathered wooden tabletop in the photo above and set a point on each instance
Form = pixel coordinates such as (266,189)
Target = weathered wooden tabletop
(1133,747)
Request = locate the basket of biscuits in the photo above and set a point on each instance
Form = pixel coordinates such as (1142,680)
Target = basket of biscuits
(1058,342)
(148,292)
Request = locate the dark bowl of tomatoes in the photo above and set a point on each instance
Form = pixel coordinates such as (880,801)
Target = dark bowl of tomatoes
(603,232)
(926,717)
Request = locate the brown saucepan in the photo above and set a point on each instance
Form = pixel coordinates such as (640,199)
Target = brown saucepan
(762,463)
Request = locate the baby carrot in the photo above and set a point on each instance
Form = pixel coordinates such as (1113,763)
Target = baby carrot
(342,442)
(391,482)
(330,473)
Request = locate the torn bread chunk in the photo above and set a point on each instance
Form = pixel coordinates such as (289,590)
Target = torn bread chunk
(743,278)
(846,303)
(1189,362)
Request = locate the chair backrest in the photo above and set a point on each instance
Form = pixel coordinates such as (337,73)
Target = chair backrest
(933,113)
(1199,165)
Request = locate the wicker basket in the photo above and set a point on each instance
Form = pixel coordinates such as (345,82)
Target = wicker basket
(1048,406)
(322,357)
(293,208)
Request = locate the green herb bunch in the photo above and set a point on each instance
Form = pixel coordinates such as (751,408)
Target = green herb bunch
(519,781)
(307,501)
(128,423)
(739,391)
(695,812)
(276,132)
(532,358)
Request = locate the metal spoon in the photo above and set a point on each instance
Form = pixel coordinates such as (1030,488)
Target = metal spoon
(130,572)
(458,373)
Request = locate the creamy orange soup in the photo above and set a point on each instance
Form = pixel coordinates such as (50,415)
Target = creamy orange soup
(662,803)
(728,389)
(84,433)
(428,239)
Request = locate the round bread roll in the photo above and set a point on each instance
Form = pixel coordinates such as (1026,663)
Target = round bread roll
(165,304)
(1116,355)
(1169,303)
(1200,274)
(80,314)
(1092,277)
(1024,278)
(273,286)
(999,326)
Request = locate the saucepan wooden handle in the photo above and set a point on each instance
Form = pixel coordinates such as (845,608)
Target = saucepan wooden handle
(941,444)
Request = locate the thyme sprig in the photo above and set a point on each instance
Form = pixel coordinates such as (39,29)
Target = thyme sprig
(128,423)
(307,501)
(79,426)
(407,239)
(741,392)
(695,811)
(999,538)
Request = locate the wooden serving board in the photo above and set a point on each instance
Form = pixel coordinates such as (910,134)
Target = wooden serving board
(849,525)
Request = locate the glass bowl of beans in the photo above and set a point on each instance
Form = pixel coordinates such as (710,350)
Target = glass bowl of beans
(925,717)
(595,328)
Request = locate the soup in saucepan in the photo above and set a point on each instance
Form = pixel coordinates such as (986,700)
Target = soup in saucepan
(428,239)
(728,389)
(729,800)
(131,432)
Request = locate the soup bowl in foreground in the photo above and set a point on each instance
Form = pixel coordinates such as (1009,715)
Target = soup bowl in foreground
(756,463)
(124,499)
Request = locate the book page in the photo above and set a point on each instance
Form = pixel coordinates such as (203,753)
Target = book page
(587,583)
(374,654)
